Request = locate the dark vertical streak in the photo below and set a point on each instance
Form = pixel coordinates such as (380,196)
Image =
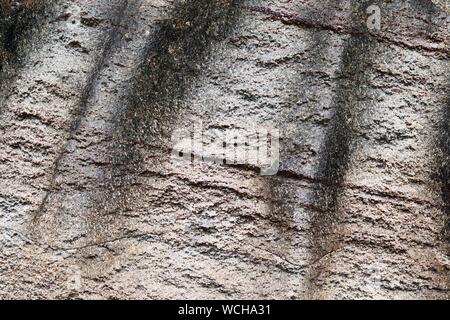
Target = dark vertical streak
(434,20)
(18,24)
(340,139)
(174,57)
(339,142)
(282,211)
(443,155)
(111,39)
(445,167)
(173,60)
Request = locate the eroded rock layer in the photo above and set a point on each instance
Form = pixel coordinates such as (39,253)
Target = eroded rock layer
(92,92)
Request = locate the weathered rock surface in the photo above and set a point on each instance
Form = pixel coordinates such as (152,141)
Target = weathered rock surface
(92,91)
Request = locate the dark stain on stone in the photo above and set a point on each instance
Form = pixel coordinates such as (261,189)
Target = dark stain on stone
(444,173)
(17,21)
(282,199)
(144,115)
(111,38)
(431,11)
(431,17)
(90,21)
(174,58)
(424,6)
(340,140)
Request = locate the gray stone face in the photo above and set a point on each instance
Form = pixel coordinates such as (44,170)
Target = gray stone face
(93,205)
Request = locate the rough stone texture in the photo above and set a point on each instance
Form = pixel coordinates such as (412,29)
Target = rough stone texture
(91,92)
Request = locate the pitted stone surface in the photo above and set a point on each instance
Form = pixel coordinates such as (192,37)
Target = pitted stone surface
(92,91)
